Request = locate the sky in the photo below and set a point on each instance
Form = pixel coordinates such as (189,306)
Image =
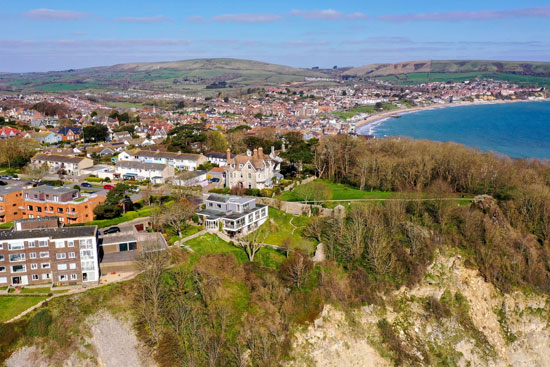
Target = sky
(62,34)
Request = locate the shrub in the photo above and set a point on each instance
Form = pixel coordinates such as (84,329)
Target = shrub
(93,179)
(39,324)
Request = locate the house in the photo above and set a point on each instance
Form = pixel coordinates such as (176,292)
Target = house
(69,152)
(235,214)
(64,203)
(181,161)
(70,133)
(253,170)
(121,136)
(218,158)
(9,132)
(62,164)
(101,171)
(45,136)
(136,170)
(11,203)
(192,178)
(101,150)
(121,249)
(42,250)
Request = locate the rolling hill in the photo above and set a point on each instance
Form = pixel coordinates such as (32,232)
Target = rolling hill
(177,76)
(413,72)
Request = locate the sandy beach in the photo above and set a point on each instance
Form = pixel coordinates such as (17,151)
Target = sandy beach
(368,125)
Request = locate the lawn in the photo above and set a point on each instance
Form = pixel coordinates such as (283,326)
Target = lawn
(288,234)
(212,244)
(340,192)
(186,232)
(102,223)
(363,109)
(44,290)
(11,306)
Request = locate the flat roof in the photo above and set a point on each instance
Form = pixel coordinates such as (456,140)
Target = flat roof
(53,233)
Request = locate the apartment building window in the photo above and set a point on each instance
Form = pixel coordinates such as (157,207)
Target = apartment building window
(1,257)
(59,244)
(34,266)
(70,243)
(16,246)
(39,209)
(60,210)
(46,276)
(19,268)
(29,207)
(35,277)
(44,254)
(45,265)
(72,255)
(43,244)
(1,247)
(61,256)
(55,198)
(2,269)
(17,257)
(32,255)
(63,278)
(72,266)
(74,277)
(31,216)
(32,244)
(61,266)
(3,280)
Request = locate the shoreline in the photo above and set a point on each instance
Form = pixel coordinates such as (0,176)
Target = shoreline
(372,122)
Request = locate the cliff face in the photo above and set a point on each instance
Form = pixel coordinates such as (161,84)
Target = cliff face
(453,318)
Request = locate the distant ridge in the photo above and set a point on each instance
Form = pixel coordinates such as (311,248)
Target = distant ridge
(452,66)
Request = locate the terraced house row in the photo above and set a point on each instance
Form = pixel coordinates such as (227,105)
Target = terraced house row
(46,201)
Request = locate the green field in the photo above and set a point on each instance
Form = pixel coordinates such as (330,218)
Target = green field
(58,87)
(212,244)
(102,223)
(11,306)
(363,109)
(419,78)
(340,192)
(44,290)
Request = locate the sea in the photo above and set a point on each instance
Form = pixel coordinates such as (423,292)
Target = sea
(519,130)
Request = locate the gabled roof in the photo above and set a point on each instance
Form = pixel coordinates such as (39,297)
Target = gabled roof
(58,158)
(65,130)
(141,165)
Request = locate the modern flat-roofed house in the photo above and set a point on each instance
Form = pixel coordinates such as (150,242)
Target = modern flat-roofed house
(38,251)
(237,215)
(62,164)
(135,170)
(181,161)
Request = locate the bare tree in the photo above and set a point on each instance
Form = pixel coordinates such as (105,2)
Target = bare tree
(320,162)
(177,214)
(296,269)
(152,261)
(254,241)
(37,172)
(315,227)
(147,194)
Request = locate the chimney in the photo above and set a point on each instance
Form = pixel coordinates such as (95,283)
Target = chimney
(228,154)
(260,152)
(255,155)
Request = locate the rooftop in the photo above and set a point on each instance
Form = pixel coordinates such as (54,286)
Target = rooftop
(53,233)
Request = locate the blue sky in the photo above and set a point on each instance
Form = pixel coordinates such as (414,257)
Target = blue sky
(60,34)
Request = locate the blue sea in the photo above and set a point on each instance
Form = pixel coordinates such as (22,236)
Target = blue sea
(519,130)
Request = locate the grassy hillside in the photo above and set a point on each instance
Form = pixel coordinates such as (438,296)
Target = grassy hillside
(178,76)
(414,72)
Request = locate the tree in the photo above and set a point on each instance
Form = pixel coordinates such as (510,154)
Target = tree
(95,133)
(254,241)
(177,214)
(152,261)
(35,172)
(215,141)
(296,269)
(17,152)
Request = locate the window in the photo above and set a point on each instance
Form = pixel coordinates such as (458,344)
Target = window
(55,198)
(132,246)
(45,265)
(31,216)
(2,269)
(61,266)
(44,254)
(70,244)
(32,255)
(46,276)
(72,255)
(1,257)
(72,266)
(74,277)
(35,277)
(19,268)
(60,210)
(39,209)
(16,246)
(34,266)
(59,244)
(17,257)
(122,247)
(43,244)
(85,254)
(3,280)
(32,244)
(29,207)
(61,256)
(63,278)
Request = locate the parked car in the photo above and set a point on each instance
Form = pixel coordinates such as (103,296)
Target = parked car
(5,177)
(3,183)
(86,185)
(215,179)
(108,187)
(134,189)
(111,230)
